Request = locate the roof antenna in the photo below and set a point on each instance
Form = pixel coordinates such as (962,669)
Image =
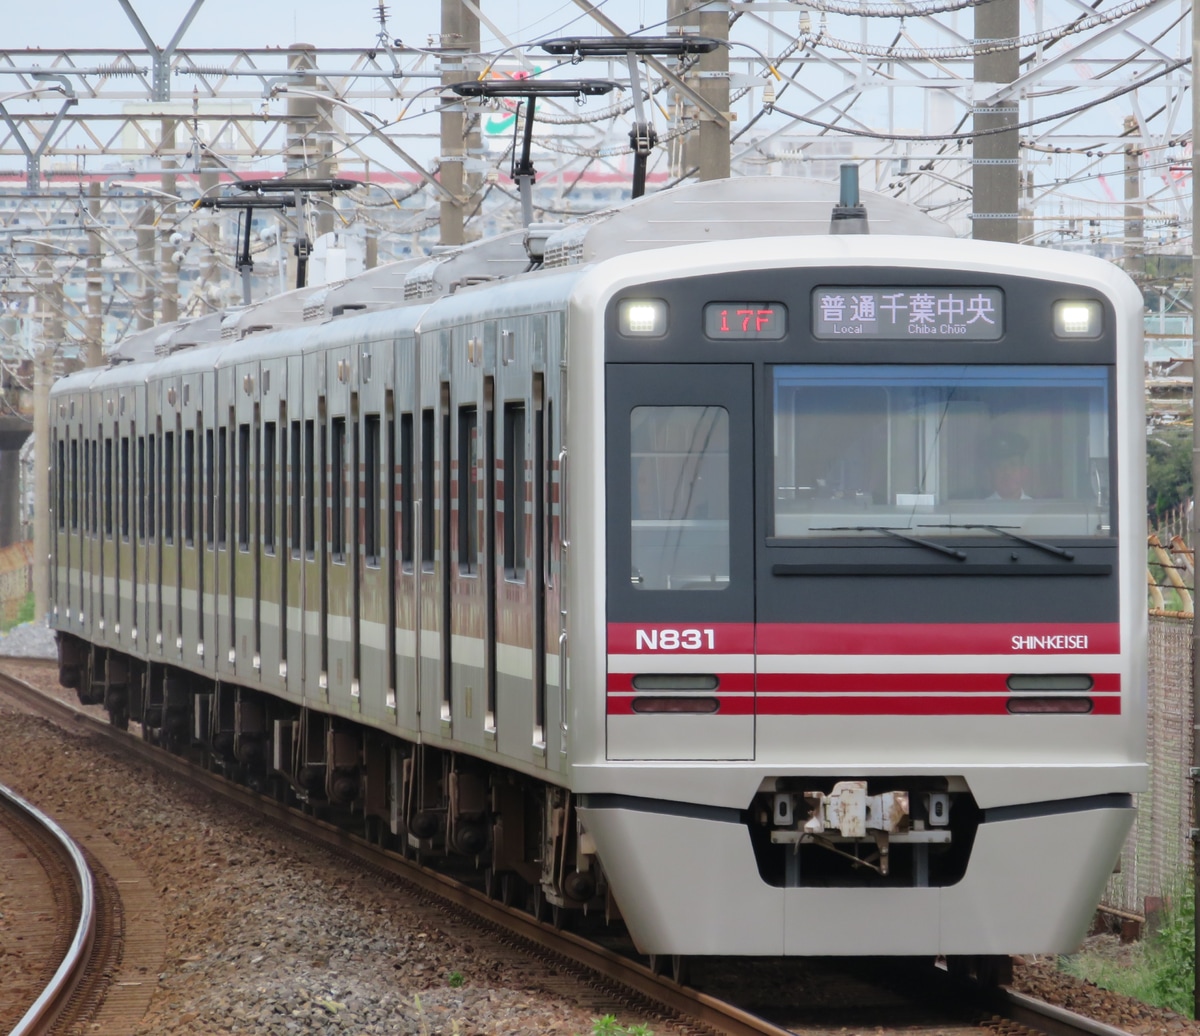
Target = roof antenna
(849,216)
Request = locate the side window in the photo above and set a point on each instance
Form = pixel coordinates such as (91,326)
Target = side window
(680,497)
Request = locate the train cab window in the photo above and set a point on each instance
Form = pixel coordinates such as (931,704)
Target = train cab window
(941,450)
(680,497)
(468,503)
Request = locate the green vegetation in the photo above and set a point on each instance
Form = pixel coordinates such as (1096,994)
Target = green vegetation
(1168,468)
(1158,971)
(24,614)
(455,979)
(609,1026)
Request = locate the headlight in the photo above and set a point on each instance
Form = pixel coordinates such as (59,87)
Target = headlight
(1077,319)
(642,318)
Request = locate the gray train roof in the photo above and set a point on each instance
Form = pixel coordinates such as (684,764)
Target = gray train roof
(715,210)
(725,210)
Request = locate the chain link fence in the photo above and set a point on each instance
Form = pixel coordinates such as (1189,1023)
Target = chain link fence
(1158,850)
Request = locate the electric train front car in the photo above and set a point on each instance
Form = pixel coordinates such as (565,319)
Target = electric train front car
(869,527)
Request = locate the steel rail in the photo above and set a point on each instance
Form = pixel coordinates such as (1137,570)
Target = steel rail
(58,991)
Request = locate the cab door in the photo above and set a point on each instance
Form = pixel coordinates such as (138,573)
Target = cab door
(680,583)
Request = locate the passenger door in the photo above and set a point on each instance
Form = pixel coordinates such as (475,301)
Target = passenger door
(680,584)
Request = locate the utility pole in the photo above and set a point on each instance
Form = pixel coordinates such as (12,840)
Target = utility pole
(994,169)
(170,269)
(145,261)
(95,280)
(1135,225)
(50,333)
(713,86)
(460,36)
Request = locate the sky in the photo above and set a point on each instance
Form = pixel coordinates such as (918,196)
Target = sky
(258,23)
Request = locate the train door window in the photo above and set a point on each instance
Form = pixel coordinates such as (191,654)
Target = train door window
(489,550)
(108,488)
(371,446)
(407,508)
(60,482)
(95,495)
(428,491)
(152,496)
(294,472)
(468,490)
(310,490)
(268,487)
(680,497)
(189,487)
(125,488)
(168,516)
(540,474)
(243,490)
(514,491)
(338,487)
(447,596)
(222,487)
(210,496)
(141,489)
(74,484)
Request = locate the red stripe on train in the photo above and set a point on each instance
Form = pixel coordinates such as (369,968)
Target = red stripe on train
(868,683)
(862,705)
(938,705)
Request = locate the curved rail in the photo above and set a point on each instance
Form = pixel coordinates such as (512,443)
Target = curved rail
(59,989)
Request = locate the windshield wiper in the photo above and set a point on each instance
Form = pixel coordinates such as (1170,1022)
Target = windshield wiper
(1001,530)
(958,555)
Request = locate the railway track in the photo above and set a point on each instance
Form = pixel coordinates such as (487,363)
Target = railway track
(53,912)
(613,974)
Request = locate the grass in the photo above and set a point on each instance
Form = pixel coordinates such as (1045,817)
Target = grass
(1158,971)
(24,614)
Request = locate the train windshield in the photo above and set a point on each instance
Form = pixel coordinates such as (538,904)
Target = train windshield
(941,450)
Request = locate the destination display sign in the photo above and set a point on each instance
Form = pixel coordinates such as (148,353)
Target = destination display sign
(860,313)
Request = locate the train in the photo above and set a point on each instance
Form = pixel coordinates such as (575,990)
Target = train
(757,571)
